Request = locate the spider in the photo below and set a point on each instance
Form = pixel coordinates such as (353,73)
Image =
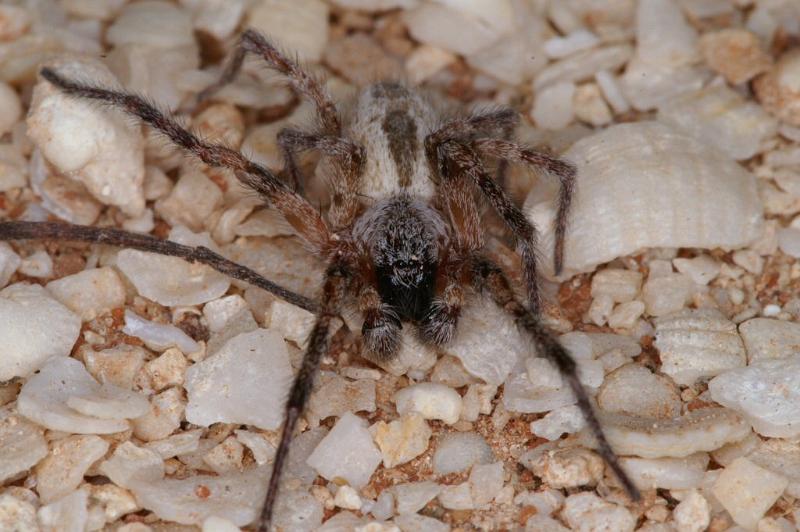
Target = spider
(402,238)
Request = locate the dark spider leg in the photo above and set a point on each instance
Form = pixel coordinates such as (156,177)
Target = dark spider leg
(439,326)
(489,277)
(117,237)
(564,171)
(467,162)
(381,328)
(337,279)
(303,83)
(296,210)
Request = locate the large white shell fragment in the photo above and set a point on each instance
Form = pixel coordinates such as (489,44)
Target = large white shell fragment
(347,452)
(245,382)
(705,429)
(633,389)
(44,397)
(237,498)
(88,142)
(22,444)
(695,344)
(646,185)
(765,393)
(722,118)
(171,281)
(34,327)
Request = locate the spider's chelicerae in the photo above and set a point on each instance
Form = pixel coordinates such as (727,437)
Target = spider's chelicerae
(402,238)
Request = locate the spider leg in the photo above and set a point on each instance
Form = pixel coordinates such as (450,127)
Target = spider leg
(564,171)
(337,280)
(466,161)
(117,237)
(347,160)
(490,278)
(302,82)
(484,124)
(296,210)
(381,328)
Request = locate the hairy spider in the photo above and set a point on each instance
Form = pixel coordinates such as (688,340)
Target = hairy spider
(402,238)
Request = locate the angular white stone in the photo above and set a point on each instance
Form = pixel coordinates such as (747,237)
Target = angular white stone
(118,365)
(766,338)
(38,264)
(130,463)
(17,514)
(22,445)
(337,395)
(347,452)
(68,513)
(586,511)
(635,390)
(158,336)
(163,418)
(451,29)
(457,497)
(250,369)
(567,419)
(666,294)
(43,399)
(412,497)
(696,344)
(403,439)
(63,470)
(298,25)
(34,327)
(552,108)
(181,443)
(620,285)
(171,281)
(291,322)
(219,311)
(765,393)
(9,261)
(486,481)
(346,497)
(93,144)
(152,22)
(431,400)
(747,491)
(693,513)
(458,451)
(90,292)
(488,342)
(191,201)
(564,468)
(237,498)
(701,269)
(263,451)
(667,473)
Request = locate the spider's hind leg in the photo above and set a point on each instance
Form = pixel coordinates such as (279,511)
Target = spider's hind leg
(488,277)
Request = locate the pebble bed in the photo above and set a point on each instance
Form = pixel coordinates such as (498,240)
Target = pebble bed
(139,393)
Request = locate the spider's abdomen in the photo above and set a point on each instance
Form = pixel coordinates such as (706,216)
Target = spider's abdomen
(391,122)
(403,236)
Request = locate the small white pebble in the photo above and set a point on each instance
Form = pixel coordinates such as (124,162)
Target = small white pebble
(620,285)
(431,400)
(158,336)
(701,269)
(347,498)
(693,513)
(587,511)
(403,439)
(625,315)
(39,264)
(458,451)
(10,106)
(90,292)
(552,106)
(346,452)
(9,263)
(749,260)
(567,419)
(218,524)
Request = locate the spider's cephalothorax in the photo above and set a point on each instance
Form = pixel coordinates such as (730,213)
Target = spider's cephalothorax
(402,238)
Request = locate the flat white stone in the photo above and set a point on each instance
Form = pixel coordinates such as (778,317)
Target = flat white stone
(487,341)
(586,511)
(34,327)
(666,473)
(292,322)
(620,285)
(22,445)
(130,463)
(9,261)
(171,281)
(765,393)
(178,444)
(747,491)
(190,501)
(250,369)
(403,439)
(412,497)
(458,451)
(635,390)
(63,469)
(109,402)
(431,400)
(347,452)
(68,513)
(337,395)
(486,481)
(90,292)
(43,399)
(567,419)
(158,336)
